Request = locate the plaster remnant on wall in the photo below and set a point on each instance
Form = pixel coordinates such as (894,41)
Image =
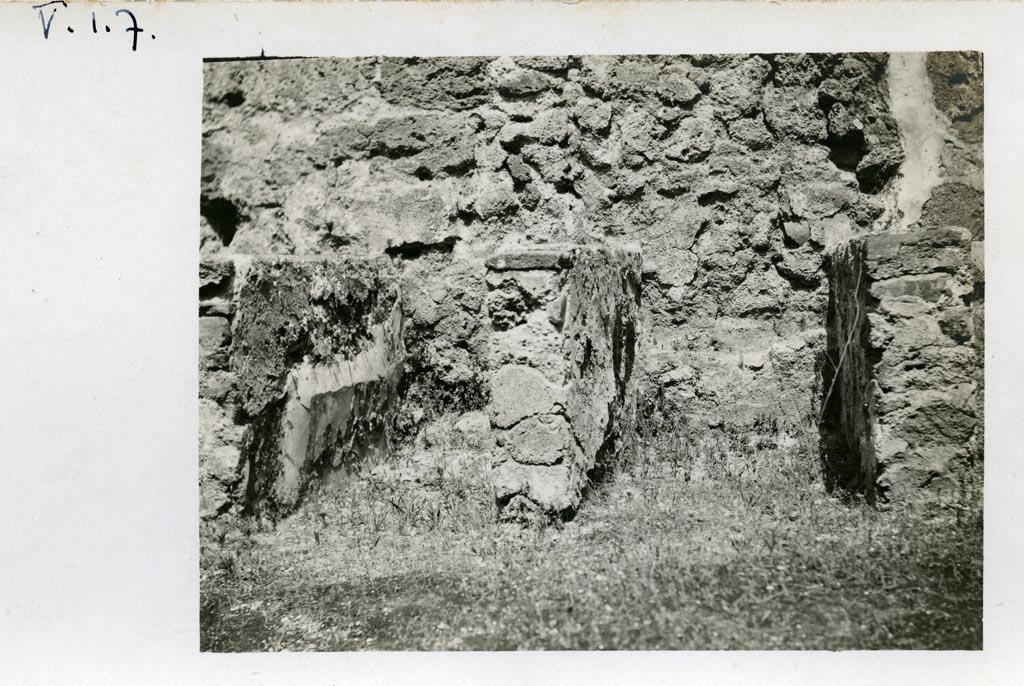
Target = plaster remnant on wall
(300,375)
(922,131)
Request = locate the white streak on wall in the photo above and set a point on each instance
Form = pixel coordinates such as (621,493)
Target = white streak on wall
(923,130)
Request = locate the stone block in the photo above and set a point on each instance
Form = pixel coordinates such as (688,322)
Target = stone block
(797,232)
(519,391)
(216,384)
(540,258)
(214,337)
(539,439)
(216,277)
(525,491)
(957,323)
(930,287)
(888,255)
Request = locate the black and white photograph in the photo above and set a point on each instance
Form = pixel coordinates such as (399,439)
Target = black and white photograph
(586,342)
(622,352)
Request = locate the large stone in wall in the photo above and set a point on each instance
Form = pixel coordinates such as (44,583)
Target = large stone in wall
(563,389)
(901,332)
(313,350)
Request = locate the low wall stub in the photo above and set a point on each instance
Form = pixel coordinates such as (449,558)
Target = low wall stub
(300,361)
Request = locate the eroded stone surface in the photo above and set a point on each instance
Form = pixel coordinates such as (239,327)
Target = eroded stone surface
(219,458)
(539,439)
(520,391)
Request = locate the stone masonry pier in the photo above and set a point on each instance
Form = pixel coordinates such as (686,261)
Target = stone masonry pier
(906,397)
(563,390)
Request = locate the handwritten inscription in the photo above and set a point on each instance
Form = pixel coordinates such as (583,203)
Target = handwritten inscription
(123,19)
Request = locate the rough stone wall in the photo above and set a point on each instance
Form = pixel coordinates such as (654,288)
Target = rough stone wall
(904,342)
(563,389)
(735,174)
(300,363)
(446,337)
(220,436)
(738,176)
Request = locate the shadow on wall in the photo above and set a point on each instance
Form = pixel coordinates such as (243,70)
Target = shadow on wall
(839,467)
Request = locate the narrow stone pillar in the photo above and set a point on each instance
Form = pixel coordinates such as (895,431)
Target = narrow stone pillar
(902,336)
(562,356)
